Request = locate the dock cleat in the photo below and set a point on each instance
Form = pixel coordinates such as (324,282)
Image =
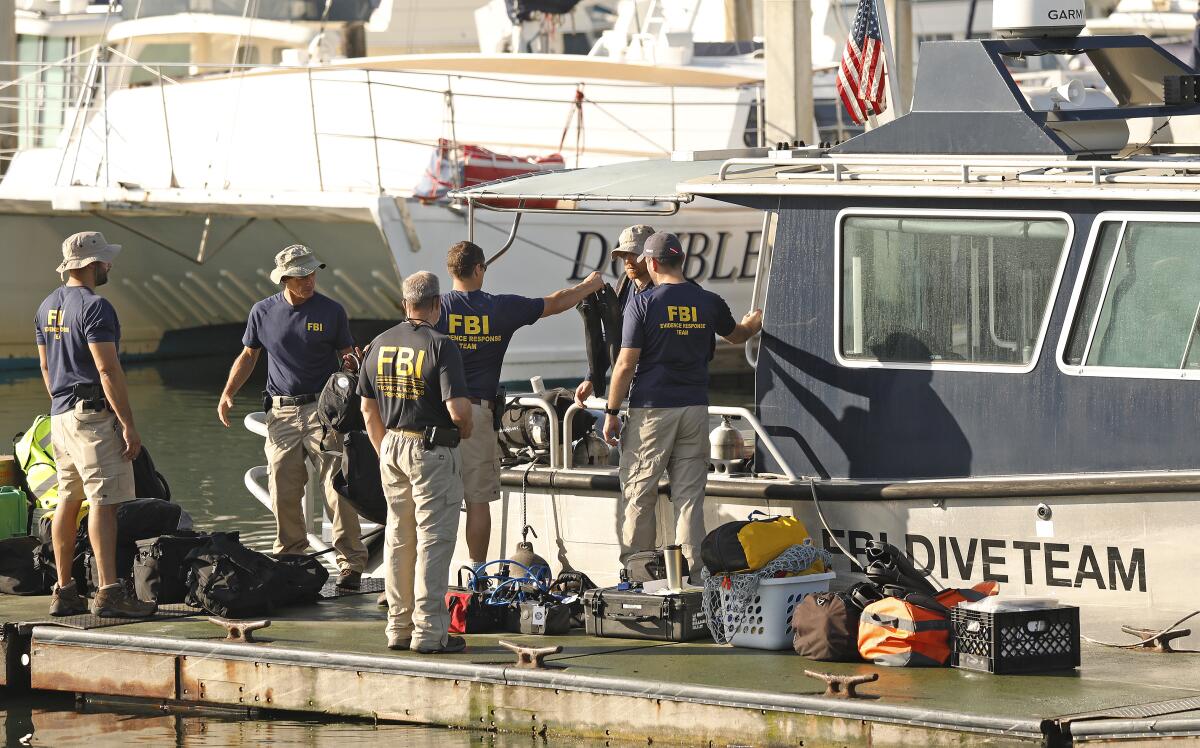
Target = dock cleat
(66,601)
(117,602)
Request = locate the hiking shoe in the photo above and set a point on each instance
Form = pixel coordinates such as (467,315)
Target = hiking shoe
(117,602)
(453,644)
(66,601)
(382,599)
(349,580)
(400,644)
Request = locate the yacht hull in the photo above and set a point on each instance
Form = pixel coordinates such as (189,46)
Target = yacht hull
(187,277)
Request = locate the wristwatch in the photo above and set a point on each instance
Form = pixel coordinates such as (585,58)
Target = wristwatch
(612,411)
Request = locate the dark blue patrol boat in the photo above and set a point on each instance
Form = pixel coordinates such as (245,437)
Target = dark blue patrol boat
(980,336)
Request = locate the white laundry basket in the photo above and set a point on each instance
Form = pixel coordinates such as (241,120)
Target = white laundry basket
(767,622)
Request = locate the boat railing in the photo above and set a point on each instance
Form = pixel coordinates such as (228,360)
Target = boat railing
(566,459)
(315,522)
(958,170)
(65,105)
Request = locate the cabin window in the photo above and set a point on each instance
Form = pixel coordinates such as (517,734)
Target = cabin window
(1140,302)
(924,289)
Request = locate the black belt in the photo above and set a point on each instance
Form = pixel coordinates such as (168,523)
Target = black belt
(284,401)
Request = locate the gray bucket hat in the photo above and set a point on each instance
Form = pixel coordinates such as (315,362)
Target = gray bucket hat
(295,261)
(82,249)
(632,240)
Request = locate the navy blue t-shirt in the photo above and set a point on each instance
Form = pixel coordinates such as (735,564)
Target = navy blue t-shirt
(483,326)
(675,326)
(69,319)
(301,341)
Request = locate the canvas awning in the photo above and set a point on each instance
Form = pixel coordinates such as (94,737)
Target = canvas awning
(634,188)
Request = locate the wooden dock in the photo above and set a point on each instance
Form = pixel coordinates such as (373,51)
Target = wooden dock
(330,659)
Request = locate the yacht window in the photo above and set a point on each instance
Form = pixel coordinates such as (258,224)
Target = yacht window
(1140,303)
(955,289)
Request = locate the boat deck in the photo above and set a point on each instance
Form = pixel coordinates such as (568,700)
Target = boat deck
(329,659)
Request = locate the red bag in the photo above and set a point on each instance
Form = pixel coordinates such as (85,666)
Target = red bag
(471,165)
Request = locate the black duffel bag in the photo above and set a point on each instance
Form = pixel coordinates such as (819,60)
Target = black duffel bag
(160,569)
(301,579)
(228,579)
(20,572)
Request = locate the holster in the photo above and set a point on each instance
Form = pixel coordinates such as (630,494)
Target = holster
(90,395)
(266,401)
(498,408)
(442,436)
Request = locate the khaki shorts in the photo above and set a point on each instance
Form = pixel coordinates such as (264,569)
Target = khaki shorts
(481,458)
(89,455)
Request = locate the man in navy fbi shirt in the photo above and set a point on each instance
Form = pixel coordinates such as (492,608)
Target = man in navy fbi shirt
(305,335)
(91,423)
(483,325)
(668,340)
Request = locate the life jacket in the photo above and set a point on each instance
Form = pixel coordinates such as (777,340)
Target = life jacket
(35,454)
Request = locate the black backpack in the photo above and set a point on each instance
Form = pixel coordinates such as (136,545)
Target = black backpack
(148,483)
(338,406)
(358,482)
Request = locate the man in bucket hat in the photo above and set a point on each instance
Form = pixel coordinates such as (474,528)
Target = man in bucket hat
(306,335)
(636,280)
(91,423)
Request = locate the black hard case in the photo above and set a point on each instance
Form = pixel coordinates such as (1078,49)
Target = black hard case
(627,614)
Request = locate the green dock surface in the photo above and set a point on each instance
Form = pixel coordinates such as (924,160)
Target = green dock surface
(330,659)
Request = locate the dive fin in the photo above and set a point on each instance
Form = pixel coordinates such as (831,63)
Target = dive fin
(612,319)
(593,339)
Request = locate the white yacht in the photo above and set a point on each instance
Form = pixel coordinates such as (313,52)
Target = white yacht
(204,136)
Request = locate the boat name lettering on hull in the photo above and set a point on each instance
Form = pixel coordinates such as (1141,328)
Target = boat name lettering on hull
(710,257)
(1004,561)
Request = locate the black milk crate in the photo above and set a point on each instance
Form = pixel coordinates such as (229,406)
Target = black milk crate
(1017,641)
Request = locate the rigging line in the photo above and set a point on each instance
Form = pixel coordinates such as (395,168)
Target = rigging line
(627,127)
(812,486)
(1150,139)
(237,102)
(533,244)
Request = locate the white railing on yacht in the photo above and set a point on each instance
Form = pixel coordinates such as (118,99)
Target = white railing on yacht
(960,170)
(66,105)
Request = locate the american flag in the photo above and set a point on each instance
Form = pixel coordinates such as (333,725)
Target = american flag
(861,76)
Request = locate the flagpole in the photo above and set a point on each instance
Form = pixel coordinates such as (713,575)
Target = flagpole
(893,75)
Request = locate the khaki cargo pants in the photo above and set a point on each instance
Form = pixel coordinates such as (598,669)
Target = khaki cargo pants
(294,434)
(424,491)
(657,441)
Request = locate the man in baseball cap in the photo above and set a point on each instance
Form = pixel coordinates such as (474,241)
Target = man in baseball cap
(636,280)
(91,423)
(306,335)
(667,342)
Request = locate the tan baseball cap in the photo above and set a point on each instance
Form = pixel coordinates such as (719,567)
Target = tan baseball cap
(632,241)
(295,261)
(82,249)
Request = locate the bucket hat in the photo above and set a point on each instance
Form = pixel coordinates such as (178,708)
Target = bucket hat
(82,249)
(296,261)
(632,241)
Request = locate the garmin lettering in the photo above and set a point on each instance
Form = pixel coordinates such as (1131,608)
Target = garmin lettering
(957,559)
(1072,14)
